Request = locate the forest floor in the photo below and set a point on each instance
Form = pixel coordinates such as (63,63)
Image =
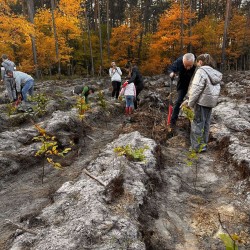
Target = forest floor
(187,209)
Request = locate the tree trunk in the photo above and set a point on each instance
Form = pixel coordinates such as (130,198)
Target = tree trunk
(55,36)
(96,14)
(190,47)
(84,50)
(108,36)
(140,46)
(31,10)
(100,35)
(90,44)
(223,55)
(182,28)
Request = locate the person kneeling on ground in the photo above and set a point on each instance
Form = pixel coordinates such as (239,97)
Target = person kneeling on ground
(86,92)
(24,83)
(129,91)
(203,96)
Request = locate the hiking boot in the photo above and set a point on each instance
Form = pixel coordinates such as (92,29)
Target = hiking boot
(173,125)
(127,111)
(204,149)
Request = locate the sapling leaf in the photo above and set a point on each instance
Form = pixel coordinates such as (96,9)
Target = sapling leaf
(228,242)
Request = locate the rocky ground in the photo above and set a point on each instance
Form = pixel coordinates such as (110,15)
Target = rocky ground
(159,203)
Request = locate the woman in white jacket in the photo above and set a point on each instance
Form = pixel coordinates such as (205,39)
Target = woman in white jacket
(203,96)
(115,74)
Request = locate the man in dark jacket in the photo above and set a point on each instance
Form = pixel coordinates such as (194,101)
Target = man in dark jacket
(135,77)
(184,65)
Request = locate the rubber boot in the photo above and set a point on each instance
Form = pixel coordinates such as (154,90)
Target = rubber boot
(130,111)
(127,111)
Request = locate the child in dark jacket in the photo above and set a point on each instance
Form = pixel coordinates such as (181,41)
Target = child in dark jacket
(135,77)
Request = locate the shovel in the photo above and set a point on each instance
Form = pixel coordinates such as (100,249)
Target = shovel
(170,107)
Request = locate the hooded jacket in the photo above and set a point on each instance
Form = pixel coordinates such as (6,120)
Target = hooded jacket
(7,65)
(115,74)
(205,88)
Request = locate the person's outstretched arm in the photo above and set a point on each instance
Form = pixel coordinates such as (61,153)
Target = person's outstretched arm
(174,67)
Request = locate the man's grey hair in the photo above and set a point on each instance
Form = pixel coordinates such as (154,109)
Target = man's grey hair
(189,57)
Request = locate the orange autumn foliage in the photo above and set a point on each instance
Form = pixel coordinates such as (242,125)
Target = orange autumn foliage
(238,35)
(165,45)
(14,32)
(131,41)
(209,32)
(125,39)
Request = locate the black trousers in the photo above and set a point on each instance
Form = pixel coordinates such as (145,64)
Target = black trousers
(178,102)
(116,89)
(138,91)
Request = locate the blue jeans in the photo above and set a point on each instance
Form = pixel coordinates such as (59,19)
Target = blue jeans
(130,101)
(28,88)
(200,126)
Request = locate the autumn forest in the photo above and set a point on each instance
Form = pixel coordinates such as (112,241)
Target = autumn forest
(77,37)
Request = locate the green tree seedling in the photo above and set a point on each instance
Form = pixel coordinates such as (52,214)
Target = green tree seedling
(49,148)
(136,154)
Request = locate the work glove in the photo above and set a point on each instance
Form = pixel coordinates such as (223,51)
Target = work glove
(185,103)
(125,84)
(172,75)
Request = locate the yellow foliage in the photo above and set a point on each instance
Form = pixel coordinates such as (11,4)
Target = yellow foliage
(40,130)
(125,40)
(14,31)
(70,7)
(209,32)
(4,5)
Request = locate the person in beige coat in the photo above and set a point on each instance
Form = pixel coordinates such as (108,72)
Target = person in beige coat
(203,96)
